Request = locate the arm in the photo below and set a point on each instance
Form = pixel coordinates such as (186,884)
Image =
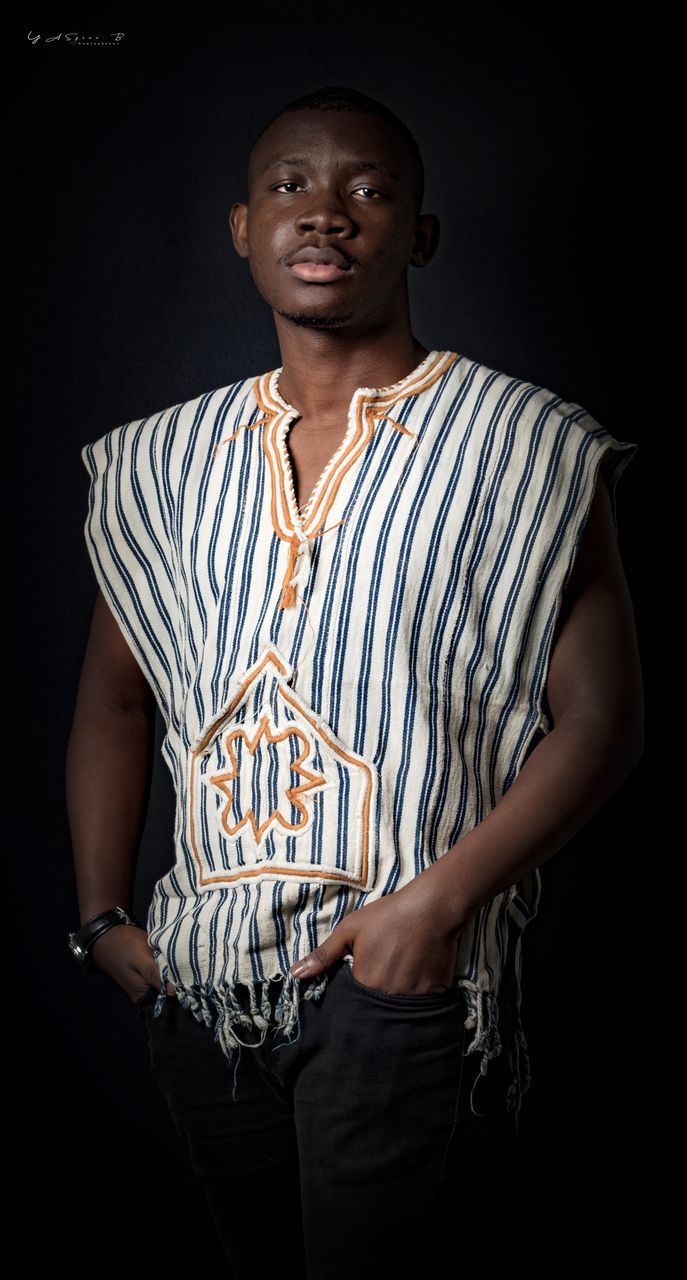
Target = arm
(108,774)
(595,695)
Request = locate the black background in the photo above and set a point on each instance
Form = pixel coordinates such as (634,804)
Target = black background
(131,298)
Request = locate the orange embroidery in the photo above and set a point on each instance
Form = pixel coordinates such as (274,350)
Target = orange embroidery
(296,543)
(271,658)
(293,794)
(324,492)
(384,417)
(245,426)
(302,528)
(289,593)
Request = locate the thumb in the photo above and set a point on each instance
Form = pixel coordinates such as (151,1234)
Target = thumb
(335,946)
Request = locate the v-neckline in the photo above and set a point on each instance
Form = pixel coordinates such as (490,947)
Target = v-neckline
(303,510)
(301,520)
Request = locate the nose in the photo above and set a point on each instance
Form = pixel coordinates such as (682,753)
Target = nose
(325,212)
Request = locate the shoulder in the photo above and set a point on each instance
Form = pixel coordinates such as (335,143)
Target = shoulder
(176,426)
(521,399)
(536,424)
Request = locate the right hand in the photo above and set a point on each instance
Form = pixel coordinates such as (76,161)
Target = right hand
(125,955)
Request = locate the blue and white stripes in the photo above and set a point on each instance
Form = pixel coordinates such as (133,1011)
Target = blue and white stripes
(349,689)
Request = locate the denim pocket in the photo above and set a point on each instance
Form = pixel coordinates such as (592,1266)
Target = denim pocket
(400,1001)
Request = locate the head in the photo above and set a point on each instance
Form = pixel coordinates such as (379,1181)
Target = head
(335,174)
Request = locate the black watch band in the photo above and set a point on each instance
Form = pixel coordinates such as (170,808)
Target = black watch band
(80,941)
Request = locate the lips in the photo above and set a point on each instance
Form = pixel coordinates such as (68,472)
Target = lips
(328,257)
(319,265)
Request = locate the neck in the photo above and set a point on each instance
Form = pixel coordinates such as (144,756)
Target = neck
(321,371)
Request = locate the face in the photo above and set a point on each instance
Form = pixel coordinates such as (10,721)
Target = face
(336,189)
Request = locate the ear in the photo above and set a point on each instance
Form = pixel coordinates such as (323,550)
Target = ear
(238,224)
(427,232)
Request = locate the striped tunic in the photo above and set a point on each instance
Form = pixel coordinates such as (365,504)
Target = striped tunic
(348,689)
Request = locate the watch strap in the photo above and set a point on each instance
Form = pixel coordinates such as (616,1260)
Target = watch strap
(81,940)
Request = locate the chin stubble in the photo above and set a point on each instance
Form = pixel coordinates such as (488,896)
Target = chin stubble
(307,321)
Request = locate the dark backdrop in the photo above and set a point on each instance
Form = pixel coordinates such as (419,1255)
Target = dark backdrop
(131,298)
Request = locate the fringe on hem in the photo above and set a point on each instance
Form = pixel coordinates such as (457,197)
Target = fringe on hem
(483,1016)
(220,1008)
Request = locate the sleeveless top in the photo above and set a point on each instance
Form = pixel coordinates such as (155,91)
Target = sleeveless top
(348,689)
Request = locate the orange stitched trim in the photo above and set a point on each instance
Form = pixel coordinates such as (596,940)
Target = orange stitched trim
(327,495)
(316,873)
(367,412)
(269,657)
(292,793)
(313,872)
(245,426)
(278,474)
(384,417)
(288,595)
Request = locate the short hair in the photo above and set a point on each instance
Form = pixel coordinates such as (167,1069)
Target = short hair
(341,98)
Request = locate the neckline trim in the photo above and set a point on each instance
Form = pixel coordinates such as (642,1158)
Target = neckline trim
(370,392)
(367,406)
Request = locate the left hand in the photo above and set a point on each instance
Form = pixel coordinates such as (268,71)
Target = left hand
(400,943)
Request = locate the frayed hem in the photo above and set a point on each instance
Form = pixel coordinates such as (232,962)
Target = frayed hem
(483,1016)
(220,1008)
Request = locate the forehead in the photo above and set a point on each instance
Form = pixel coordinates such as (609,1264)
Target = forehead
(323,137)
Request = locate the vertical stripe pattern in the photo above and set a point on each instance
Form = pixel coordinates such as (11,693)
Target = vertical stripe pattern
(348,689)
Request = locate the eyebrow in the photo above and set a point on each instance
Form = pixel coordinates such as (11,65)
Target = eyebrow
(375,165)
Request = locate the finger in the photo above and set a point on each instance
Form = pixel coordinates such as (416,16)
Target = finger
(150,974)
(335,946)
(154,980)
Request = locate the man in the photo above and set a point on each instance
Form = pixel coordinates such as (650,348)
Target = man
(377,597)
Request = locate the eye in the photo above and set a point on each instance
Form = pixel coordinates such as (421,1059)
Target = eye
(290,182)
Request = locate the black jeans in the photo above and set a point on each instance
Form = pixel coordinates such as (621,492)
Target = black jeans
(353,1147)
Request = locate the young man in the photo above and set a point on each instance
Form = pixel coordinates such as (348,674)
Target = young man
(377,596)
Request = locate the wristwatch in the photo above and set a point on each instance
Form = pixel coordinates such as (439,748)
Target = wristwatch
(80,941)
